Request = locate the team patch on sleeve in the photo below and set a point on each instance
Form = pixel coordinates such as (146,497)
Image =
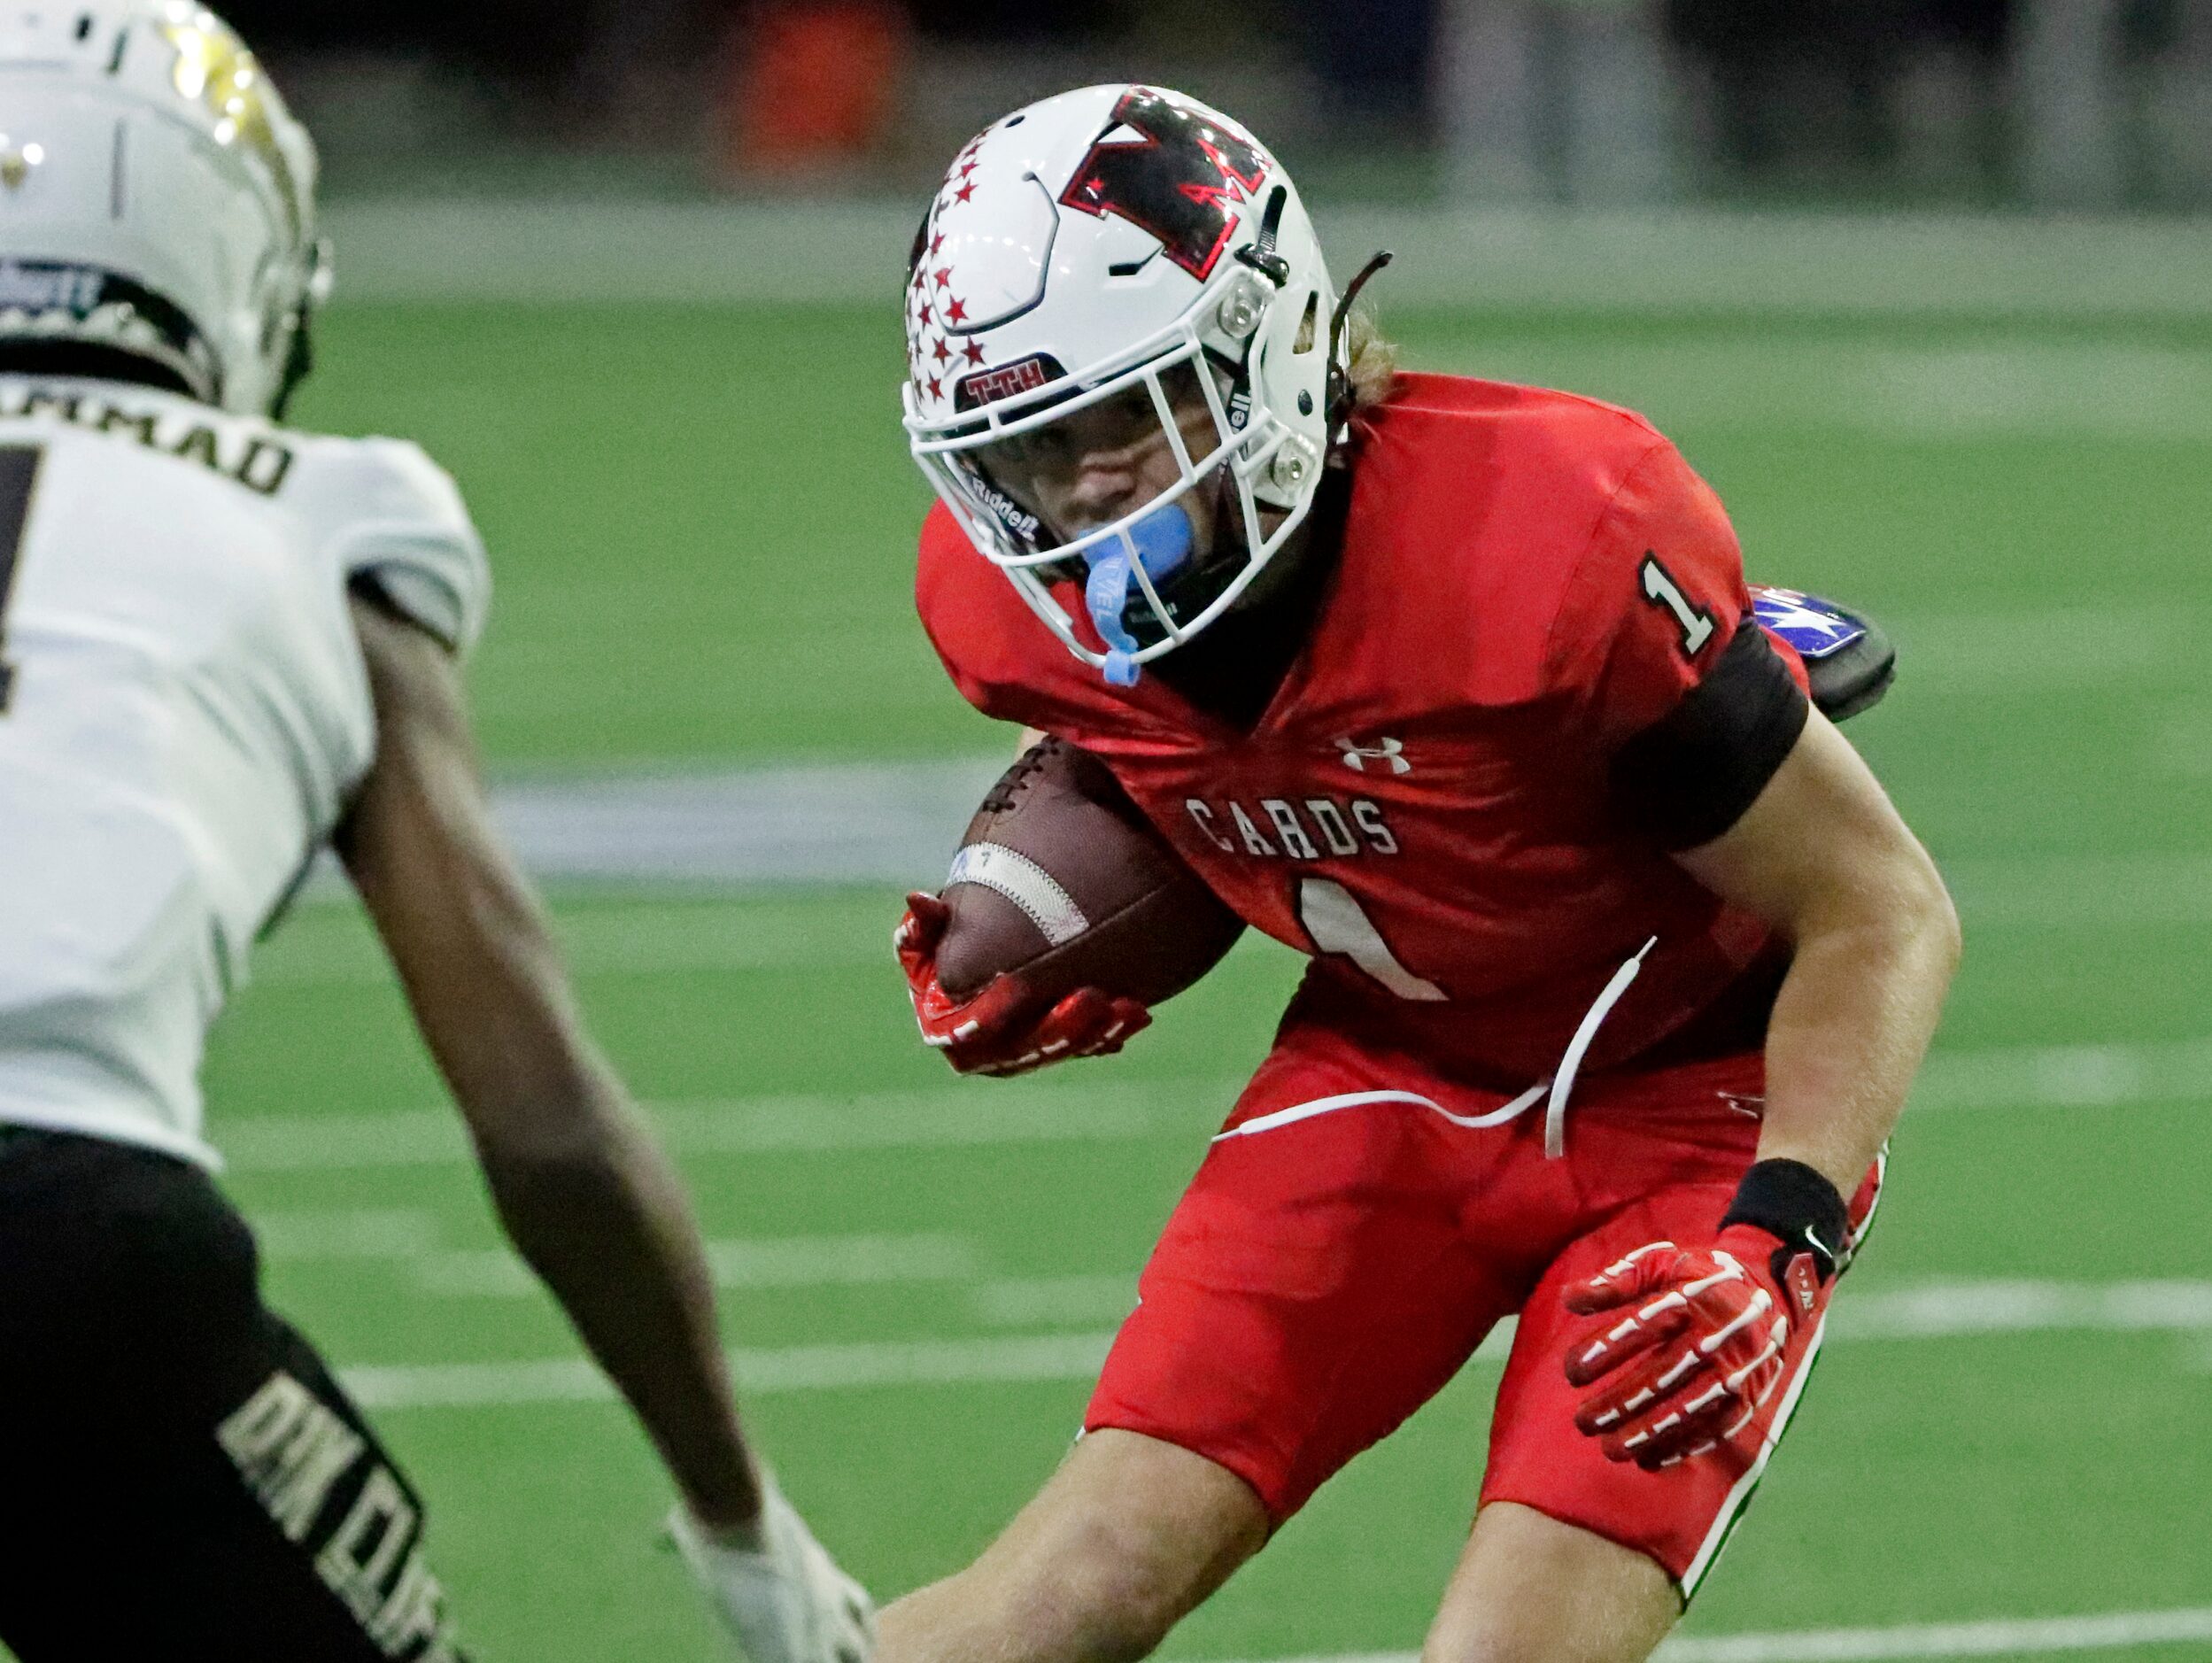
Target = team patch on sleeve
(1849,662)
(1818,628)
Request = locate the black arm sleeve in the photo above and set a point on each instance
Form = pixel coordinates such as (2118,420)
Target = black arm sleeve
(1689,777)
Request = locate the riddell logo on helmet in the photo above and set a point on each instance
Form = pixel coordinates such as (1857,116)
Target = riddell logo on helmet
(989,386)
(1003,507)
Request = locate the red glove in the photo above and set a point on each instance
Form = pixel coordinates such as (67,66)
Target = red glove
(1701,1347)
(995,1030)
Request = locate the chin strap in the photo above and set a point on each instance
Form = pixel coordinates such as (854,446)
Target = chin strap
(1161,542)
(1340,393)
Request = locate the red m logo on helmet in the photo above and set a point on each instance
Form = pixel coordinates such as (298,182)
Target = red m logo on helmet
(1177,180)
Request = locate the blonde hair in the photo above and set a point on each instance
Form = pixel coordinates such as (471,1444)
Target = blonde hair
(1371,360)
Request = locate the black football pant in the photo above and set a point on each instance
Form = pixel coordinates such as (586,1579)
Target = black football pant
(181,1478)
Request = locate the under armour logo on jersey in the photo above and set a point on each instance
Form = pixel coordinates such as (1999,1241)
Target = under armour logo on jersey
(1391,751)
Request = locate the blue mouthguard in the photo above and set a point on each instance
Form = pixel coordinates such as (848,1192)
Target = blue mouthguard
(1162,540)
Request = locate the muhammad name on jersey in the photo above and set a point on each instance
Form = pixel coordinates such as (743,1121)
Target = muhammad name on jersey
(259,461)
(1299,829)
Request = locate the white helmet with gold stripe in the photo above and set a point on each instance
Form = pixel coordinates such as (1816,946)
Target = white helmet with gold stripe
(157,198)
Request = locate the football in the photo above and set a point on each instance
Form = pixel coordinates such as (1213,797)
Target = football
(1060,877)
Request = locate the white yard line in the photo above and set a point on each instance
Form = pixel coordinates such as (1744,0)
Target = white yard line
(2027,1636)
(1071,1111)
(835,1261)
(997,1113)
(1067,1301)
(1862,263)
(344,1235)
(687,841)
(1942,1311)
(2068,1076)
(1957,1309)
(905,1362)
(650,935)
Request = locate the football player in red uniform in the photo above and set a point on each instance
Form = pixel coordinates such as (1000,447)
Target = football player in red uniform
(1622,961)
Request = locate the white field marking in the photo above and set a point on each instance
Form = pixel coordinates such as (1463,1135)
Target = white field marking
(2083,890)
(333,946)
(2014,1637)
(707,851)
(1981,653)
(1952,1310)
(2067,1076)
(2012,389)
(1049,1111)
(1863,263)
(1018,1302)
(829,1261)
(1948,1311)
(1018,1358)
(1001,1114)
(314,1236)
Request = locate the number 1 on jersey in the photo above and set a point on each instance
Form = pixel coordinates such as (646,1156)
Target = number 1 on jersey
(1336,922)
(1661,589)
(18,478)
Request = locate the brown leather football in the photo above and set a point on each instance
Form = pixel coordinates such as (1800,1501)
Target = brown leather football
(1061,877)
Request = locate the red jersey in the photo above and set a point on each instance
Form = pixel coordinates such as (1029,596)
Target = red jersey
(1525,581)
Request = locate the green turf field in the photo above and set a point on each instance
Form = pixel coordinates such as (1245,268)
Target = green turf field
(702,521)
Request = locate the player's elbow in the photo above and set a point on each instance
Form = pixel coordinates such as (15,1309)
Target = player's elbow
(1896,910)
(1920,906)
(1943,922)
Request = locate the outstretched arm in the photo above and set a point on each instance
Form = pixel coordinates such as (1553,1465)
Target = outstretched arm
(586,1194)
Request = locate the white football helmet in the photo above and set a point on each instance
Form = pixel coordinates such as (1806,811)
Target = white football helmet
(157,198)
(1088,246)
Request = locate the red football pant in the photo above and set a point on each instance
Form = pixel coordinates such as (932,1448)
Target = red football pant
(1325,1276)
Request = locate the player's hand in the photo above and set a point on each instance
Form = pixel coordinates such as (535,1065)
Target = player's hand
(779,1592)
(1699,1347)
(996,1030)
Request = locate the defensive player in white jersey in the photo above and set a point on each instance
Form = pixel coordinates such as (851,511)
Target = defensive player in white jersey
(224,644)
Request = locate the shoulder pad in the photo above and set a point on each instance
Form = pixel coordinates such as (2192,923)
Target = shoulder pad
(381,509)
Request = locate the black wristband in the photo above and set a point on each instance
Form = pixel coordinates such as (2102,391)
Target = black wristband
(1799,1208)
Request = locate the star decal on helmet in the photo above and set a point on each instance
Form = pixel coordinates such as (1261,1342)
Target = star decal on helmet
(954,312)
(973,351)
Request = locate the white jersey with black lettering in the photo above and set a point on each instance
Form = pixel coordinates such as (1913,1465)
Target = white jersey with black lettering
(184,712)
